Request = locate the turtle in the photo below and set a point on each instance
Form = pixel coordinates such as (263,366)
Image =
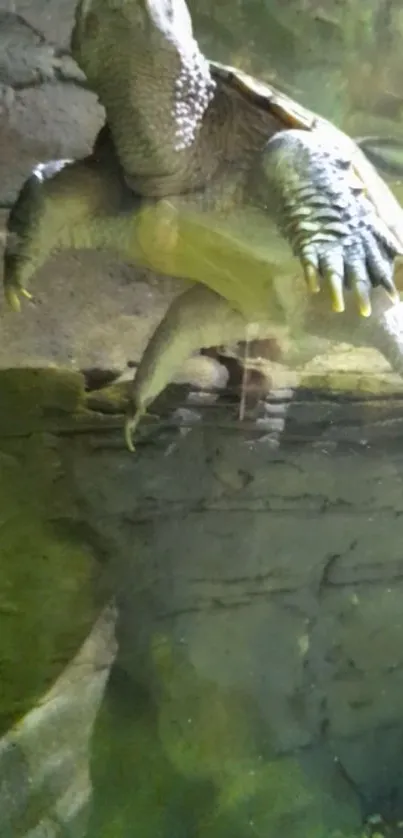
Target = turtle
(202,172)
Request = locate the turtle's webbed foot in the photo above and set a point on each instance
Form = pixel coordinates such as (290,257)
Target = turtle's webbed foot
(321,207)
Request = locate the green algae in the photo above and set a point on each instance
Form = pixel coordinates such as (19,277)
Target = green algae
(28,396)
(47,603)
(207,733)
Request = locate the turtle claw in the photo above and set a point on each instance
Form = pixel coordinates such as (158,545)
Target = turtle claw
(131,423)
(330,267)
(365,308)
(13,299)
(363,299)
(336,293)
(334,227)
(129,428)
(128,434)
(393,295)
(311,278)
(13,293)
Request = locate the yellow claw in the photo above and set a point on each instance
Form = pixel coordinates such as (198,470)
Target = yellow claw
(394,296)
(13,294)
(128,433)
(365,308)
(131,424)
(13,299)
(364,302)
(26,294)
(336,293)
(337,304)
(311,278)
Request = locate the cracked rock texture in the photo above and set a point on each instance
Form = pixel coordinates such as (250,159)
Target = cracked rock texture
(43,113)
(258,595)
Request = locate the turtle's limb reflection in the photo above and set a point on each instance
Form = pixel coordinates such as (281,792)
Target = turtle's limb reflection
(200,318)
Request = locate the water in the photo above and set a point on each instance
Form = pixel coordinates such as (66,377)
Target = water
(205,638)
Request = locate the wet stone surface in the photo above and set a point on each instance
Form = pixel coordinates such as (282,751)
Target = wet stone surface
(258,593)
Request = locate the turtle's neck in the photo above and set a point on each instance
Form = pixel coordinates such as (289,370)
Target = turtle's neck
(142,60)
(155,119)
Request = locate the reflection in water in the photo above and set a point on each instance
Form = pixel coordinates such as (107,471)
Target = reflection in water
(257,685)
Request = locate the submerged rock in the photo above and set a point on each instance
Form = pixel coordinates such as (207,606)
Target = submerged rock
(259,638)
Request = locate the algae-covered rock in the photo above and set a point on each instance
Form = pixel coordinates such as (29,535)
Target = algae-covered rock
(259,638)
(44,579)
(47,601)
(28,396)
(44,782)
(215,735)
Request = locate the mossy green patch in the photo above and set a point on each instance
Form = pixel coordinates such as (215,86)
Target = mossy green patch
(28,396)
(211,734)
(46,594)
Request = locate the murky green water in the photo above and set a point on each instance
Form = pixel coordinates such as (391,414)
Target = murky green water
(205,640)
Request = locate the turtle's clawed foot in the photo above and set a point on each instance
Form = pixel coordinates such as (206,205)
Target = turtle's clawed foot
(360,268)
(328,218)
(13,292)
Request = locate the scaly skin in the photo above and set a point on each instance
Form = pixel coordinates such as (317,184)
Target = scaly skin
(102,212)
(68,205)
(194,179)
(183,128)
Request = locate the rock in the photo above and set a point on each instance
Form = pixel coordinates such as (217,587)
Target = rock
(44,780)
(257,592)
(276,598)
(46,570)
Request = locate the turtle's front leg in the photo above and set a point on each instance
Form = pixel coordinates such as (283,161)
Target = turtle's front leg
(60,206)
(31,235)
(307,183)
